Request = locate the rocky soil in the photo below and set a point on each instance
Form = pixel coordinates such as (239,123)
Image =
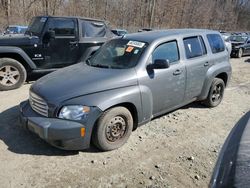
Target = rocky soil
(178,149)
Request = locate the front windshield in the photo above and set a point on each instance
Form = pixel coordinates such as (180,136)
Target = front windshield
(238,39)
(118,54)
(11,30)
(36,26)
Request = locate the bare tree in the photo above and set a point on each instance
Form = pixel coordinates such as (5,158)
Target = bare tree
(132,14)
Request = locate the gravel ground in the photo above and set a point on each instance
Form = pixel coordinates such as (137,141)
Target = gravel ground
(175,150)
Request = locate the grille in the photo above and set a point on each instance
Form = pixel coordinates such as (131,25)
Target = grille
(38,104)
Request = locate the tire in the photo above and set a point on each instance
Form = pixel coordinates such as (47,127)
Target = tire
(240,53)
(113,129)
(12,74)
(216,93)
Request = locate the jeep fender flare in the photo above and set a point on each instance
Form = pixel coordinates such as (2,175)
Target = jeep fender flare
(211,74)
(19,51)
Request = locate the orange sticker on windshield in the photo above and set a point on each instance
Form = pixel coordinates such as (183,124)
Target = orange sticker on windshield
(129,49)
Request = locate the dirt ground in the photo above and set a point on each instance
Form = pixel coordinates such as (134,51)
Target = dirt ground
(175,150)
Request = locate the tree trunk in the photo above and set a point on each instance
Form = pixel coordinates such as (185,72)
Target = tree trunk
(152,12)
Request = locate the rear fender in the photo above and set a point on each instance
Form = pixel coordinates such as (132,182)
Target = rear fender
(212,72)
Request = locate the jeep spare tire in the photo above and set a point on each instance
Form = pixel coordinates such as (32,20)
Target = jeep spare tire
(12,74)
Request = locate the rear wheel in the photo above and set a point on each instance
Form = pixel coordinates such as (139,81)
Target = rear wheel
(216,93)
(12,74)
(113,129)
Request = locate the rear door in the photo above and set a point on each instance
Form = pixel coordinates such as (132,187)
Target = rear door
(63,51)
(197,63)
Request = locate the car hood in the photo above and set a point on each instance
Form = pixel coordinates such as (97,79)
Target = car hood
(81,79)
(17,40)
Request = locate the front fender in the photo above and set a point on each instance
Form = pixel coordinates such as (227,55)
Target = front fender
(212,72)
(106,99)
(19,51)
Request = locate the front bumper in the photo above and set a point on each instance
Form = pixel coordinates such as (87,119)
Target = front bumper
(234,52)
(63,134)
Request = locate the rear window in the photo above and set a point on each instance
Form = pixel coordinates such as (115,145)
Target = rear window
(216,43)
(93,29)
(194,47)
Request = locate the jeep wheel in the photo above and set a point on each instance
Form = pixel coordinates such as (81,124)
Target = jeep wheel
(113,129)
(216,93)
(240,53)
(12,74)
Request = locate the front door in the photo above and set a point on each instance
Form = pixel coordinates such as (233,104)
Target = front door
(166,85)
(64,49)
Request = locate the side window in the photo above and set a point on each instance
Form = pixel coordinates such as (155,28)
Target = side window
(216,43)
(62,27)
(166,51)
(194,47)
(93,29)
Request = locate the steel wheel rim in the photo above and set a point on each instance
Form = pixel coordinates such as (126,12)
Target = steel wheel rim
(9,75)
(116,129)
(217,93)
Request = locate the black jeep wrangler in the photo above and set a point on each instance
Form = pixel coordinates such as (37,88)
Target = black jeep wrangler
(48,44)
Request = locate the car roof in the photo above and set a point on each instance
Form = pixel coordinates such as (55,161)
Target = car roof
(73,17)
(151,36)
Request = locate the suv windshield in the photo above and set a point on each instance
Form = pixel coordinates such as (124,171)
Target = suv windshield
(36,26)
(118,54)
(238,39)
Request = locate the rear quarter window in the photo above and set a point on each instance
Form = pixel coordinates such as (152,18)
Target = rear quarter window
(194,47)
(216,43)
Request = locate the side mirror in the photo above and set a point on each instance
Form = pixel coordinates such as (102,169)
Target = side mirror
(160,64)
(48,36)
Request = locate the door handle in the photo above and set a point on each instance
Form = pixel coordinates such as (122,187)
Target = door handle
(73,43)
(177,72)
(206,64)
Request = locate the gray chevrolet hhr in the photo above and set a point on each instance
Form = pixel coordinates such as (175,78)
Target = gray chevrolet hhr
(125,84)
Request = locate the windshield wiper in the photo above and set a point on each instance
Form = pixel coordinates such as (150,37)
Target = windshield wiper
(100,65)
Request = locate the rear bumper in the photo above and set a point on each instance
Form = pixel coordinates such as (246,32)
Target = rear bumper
(63,134)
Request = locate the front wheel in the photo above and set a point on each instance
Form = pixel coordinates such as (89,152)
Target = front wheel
(240,53)
(12,74)
(216,93)
(113,129)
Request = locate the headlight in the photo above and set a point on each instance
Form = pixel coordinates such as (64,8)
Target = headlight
(74,112)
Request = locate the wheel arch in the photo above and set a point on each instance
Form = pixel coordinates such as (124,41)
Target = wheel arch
(19,55)
(223,76)
(221,70)
(18,58)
